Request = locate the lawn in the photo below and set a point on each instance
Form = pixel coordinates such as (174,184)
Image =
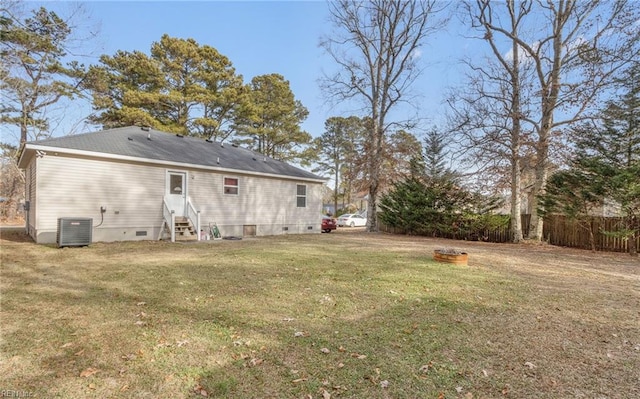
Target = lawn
(341,315)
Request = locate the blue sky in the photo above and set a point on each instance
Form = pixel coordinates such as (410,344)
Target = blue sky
(260,37)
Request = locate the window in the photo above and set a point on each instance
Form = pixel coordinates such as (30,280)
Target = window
(231,185)
(175,184)
(301,196)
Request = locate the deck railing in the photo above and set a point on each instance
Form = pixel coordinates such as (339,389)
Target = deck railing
(194,216)
(169,218)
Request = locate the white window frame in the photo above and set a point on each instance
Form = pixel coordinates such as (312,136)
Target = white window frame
(301,196)
(230,187)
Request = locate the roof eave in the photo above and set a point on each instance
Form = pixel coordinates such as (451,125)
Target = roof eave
(95,154)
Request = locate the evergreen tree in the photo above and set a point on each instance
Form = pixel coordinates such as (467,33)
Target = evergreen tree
(124,88)
(334,148)
(611,152)
(606,164)
(433,201)
(435,154)
(274,120)
(576,195)
(33,76)
(182,87)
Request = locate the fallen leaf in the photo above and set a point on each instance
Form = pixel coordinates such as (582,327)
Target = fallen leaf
(469,395)
(256,362)
(299,380)
(124,388)
(92,386)
(484,372)
(89,372)
(340,365)
(199,390)
(68,344)
(301,334)
(325,394)
(530,365)
(325,350)
(358,356)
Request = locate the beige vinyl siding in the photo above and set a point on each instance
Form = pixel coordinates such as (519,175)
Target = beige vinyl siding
(75,187)
(132,193)
(267,203)
(31,196)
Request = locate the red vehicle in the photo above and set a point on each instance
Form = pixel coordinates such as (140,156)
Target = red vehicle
(328,224)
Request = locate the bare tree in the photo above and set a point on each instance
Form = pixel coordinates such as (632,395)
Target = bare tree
(376,47)
(576,49)
(488,110)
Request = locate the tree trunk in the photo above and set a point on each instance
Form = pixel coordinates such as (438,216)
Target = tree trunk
(516,201)
(549,99)
(635,227)
(537,224)
(335,194)
(374,174)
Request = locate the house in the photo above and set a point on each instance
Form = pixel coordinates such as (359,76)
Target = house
(143,184)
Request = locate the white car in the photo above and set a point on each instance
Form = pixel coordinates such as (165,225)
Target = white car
(352,220)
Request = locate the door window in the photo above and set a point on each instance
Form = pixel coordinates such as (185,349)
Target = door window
(175,184)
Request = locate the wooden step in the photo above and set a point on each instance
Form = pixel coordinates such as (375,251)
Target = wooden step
(184,231)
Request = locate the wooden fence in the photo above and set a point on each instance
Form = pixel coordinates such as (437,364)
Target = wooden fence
(562,231)
(558,230)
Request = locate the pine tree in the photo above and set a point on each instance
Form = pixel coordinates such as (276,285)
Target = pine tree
(334,148)
(182,87)
(606,164)
(33,76)
(274,121)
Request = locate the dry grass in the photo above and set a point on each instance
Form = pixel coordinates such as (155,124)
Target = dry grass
(345,315)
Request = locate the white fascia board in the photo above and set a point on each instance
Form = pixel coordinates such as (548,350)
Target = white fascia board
(95,154)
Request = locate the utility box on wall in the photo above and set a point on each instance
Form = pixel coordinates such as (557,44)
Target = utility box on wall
(74,232)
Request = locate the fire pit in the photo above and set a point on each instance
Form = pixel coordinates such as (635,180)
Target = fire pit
(450,255)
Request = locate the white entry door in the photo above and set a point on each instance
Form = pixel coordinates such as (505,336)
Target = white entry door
(176,192)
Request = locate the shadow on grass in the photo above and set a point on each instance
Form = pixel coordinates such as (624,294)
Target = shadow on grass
(354,326)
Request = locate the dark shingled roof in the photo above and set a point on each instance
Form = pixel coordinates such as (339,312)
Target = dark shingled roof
(152,144)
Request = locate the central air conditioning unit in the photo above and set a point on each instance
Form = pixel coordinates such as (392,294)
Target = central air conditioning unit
(74,232)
